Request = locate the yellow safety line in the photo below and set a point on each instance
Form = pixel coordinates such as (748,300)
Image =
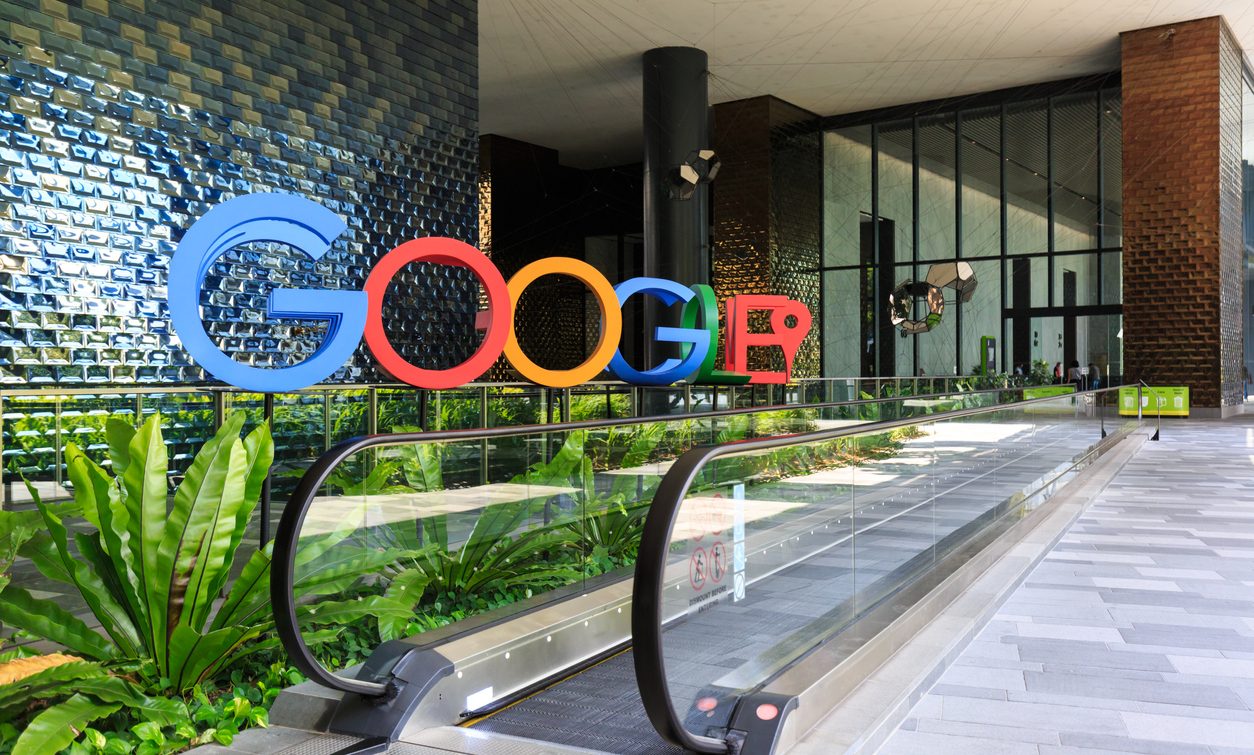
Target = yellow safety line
(479,719)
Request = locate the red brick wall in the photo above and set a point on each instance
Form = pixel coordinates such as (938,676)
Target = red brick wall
(1180,263)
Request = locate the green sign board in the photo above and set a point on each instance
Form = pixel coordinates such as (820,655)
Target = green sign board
(1050,407)
(1168,401)
(988,355)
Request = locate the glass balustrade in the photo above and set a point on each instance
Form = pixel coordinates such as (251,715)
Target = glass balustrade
(769,548)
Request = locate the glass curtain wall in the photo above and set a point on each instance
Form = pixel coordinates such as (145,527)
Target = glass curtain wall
(1247,207)
(1027,192)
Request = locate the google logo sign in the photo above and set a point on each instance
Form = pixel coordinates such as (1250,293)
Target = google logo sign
(310,228)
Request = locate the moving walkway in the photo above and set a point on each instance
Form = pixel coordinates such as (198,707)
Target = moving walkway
(772,537)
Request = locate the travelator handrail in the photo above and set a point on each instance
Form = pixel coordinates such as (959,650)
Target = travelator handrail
(1142,387)
(286,538)
(647,614)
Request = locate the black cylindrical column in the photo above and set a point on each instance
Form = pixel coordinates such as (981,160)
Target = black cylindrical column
(676,124)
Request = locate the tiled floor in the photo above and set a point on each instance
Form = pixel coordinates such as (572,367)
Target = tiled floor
(1136,634)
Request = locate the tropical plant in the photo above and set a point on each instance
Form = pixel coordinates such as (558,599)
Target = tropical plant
(610,529)
(510,552)
(58,693)
(152,568)
(65,694)
(16,529)
(421,464)
(360,476)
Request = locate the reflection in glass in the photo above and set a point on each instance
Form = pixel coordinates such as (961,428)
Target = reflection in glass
(1027,190)
(1075,165)
(1075,280)
(936,188)
(981,316)
(776,551)
(414,536)
(999,175)
(896,186)
(843,324)
(846,193)
(980,145)
(1112,168)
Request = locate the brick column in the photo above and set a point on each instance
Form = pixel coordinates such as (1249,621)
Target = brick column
(1182,246)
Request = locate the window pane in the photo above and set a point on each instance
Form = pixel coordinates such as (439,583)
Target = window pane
(1075,280)
(1098,343)
(1027,229)
(981,183)
(1112,168)
(846,193)
(1112,278)
(981,316)
(904,346)
(1074,134)
(842,324)
(1027,282)
(896,186)
(936,188)
(1047,343)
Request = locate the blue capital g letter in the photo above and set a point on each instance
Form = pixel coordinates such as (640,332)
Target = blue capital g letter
(695,341)
(283,218)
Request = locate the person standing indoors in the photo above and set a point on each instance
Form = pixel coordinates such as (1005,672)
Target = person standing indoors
(1076,376)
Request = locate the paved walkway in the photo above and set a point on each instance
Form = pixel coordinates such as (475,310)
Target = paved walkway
(1136,634)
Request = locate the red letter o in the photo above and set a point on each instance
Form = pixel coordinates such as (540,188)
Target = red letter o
(499,314)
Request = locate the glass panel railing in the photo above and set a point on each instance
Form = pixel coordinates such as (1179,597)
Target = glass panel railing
(421,530)
(757,553)
(36,423)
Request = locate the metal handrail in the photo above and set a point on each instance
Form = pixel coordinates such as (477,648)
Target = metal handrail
(155,388)
(283,564)
(1158,409)
(646,602)
(53,389)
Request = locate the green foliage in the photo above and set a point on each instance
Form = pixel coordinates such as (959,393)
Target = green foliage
(91,710)
(151,568)
(1041,373)
(60,701)
(422,465)
(359,476)
(16,529)
(54,728)
(594,406)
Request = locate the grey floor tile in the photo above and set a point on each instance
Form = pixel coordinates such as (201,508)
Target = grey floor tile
(1136,634)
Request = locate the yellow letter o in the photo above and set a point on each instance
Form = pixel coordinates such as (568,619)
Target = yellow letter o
(611,322)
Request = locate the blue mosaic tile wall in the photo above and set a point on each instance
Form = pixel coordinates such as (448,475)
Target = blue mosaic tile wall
(122,121)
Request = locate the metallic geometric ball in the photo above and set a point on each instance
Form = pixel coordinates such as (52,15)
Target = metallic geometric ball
(901,307)
(955,275)
(701,166)
(682,183)
(705,162)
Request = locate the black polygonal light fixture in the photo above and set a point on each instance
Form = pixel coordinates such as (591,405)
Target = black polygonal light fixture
(701,166)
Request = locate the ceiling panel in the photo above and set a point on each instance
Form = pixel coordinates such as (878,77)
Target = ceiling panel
(565,74)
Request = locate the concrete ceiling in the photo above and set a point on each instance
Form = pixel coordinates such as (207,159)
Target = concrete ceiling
(565,74)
